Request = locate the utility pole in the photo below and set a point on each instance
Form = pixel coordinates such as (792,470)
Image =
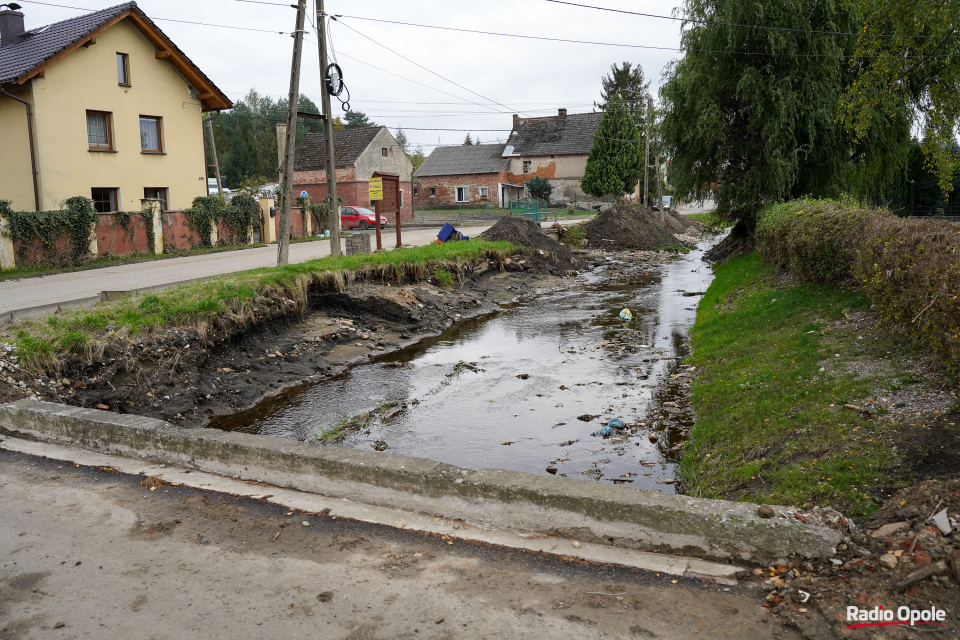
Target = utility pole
(333,211)
(646,154)
(216,163)
(660,191)
(283,250)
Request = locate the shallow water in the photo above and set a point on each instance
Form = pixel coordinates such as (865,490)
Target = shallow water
(570,337)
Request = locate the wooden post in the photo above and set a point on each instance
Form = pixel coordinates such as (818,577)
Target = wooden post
(283,248)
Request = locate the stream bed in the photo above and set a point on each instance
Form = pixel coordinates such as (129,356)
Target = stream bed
(525,387)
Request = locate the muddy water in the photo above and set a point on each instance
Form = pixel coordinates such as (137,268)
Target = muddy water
(525,375)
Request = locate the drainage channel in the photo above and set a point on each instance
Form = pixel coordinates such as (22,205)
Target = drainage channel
(525,388)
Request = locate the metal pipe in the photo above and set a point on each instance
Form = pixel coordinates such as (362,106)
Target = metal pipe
(33,155)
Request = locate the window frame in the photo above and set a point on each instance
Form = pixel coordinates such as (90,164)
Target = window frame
(114,198)
(159,121)
(527,165)
(164,195)
(482,192)
(384,152)
(431,192)
(96,146)
(456,193)
(416,191)
(125,80)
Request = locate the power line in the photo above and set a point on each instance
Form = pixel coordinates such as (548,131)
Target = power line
(480,95)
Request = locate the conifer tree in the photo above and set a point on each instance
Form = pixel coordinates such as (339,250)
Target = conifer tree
(615,163)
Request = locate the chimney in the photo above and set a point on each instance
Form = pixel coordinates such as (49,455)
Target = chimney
(516,120)
(11,27)
(562,113)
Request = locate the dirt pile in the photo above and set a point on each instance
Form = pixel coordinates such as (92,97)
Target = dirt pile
(547,252)
(625,226)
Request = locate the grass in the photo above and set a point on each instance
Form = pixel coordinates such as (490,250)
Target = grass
(772,426)
(200,305)
(112,261)
(444,277)
(710,219)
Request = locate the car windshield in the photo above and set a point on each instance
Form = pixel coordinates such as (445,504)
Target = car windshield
(364,212)
(667,200)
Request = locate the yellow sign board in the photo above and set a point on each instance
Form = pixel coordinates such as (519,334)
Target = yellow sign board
(376,188)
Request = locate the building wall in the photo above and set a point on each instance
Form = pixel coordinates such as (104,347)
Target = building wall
(446,187)
(16,182)
(352,185)
(87,79)
(563,171)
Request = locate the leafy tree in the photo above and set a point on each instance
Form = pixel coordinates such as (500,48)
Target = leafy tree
(357,120)
(338,124)
(615,162)
(402,141)
(752,113)
(539,188)
(417,157)
(627,81)
(467,141)
(908,55)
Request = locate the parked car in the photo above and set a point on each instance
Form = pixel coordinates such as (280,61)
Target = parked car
(667,202)
(353,217)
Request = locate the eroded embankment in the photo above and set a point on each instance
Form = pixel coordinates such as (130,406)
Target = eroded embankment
(212,348)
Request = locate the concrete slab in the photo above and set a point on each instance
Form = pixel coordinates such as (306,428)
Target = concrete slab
(543,505)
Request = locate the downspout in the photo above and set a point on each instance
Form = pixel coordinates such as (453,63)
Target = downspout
(33,155)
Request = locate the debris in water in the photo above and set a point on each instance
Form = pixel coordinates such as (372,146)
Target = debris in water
(380,445)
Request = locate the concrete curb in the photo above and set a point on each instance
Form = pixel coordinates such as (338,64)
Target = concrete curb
(564,507)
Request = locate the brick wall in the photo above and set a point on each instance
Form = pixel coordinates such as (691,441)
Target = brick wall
(354,192)
(446,187)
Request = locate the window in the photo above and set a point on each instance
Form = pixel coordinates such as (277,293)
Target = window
(463,194)
(483,193)
(432,192)
(157,193)
(104,200)
(526,166)
(416,190)
(400,196)
(123,70)
(150,135)
(100,130)
(383,152)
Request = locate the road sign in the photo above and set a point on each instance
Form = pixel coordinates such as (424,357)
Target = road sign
(303,194)
(376,188)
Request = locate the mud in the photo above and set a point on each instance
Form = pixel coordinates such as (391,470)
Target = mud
(625,226)
(547,252)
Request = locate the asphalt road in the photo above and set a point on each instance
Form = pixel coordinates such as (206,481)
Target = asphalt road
(88,552)
(62,287)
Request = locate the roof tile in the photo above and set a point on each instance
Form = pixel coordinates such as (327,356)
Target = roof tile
(462,160)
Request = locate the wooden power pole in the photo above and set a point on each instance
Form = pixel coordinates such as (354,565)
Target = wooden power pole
(333,211)
(283,250)
(216,163)
(646,154)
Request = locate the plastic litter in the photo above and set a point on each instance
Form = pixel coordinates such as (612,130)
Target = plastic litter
(626,315)
(448,233)
(607,429)
(616,423)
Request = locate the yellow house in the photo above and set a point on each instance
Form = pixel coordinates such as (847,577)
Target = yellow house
(103,105)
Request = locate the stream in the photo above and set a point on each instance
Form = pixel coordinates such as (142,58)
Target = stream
(507,390)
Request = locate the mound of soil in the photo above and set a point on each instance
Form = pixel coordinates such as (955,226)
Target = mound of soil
(624,226)
(548,253)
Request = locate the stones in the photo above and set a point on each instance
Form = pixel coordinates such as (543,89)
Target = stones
(765,511)
(889,561)
(943,523)
(889,529)
(653,438)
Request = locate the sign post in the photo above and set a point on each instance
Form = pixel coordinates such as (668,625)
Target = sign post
(376,193)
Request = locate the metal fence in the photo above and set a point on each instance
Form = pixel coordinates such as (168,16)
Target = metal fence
(927,199)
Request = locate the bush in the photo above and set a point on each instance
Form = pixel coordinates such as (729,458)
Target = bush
(909,268)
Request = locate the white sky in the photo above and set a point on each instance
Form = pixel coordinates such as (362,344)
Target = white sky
(525,76)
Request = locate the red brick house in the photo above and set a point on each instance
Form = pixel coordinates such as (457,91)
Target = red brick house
(359,153)
(465,175)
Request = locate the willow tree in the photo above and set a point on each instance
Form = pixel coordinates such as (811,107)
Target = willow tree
(908,54)
(751,113)
(615,162)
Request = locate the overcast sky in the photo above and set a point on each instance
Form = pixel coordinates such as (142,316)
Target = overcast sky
(511,75)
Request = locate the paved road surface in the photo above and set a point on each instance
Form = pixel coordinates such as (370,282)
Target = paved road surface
(62,287)
(90,553)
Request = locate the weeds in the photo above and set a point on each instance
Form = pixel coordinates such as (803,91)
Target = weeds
(444,277)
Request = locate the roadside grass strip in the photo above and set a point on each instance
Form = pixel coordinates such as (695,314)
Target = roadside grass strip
(772,426)
(710,219)
(232,299)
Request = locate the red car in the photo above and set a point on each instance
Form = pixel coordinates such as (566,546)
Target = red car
(353,217)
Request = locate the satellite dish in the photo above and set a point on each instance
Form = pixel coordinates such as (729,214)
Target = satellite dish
(333,78)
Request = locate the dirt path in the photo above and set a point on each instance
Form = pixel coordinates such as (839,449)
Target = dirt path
(88,552)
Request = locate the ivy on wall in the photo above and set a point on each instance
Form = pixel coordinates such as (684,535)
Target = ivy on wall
(241,216)
(76,219)
(203,214)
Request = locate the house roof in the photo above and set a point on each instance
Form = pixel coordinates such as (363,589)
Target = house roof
(348,145)
(40,47)
(463,159)
(569,134)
